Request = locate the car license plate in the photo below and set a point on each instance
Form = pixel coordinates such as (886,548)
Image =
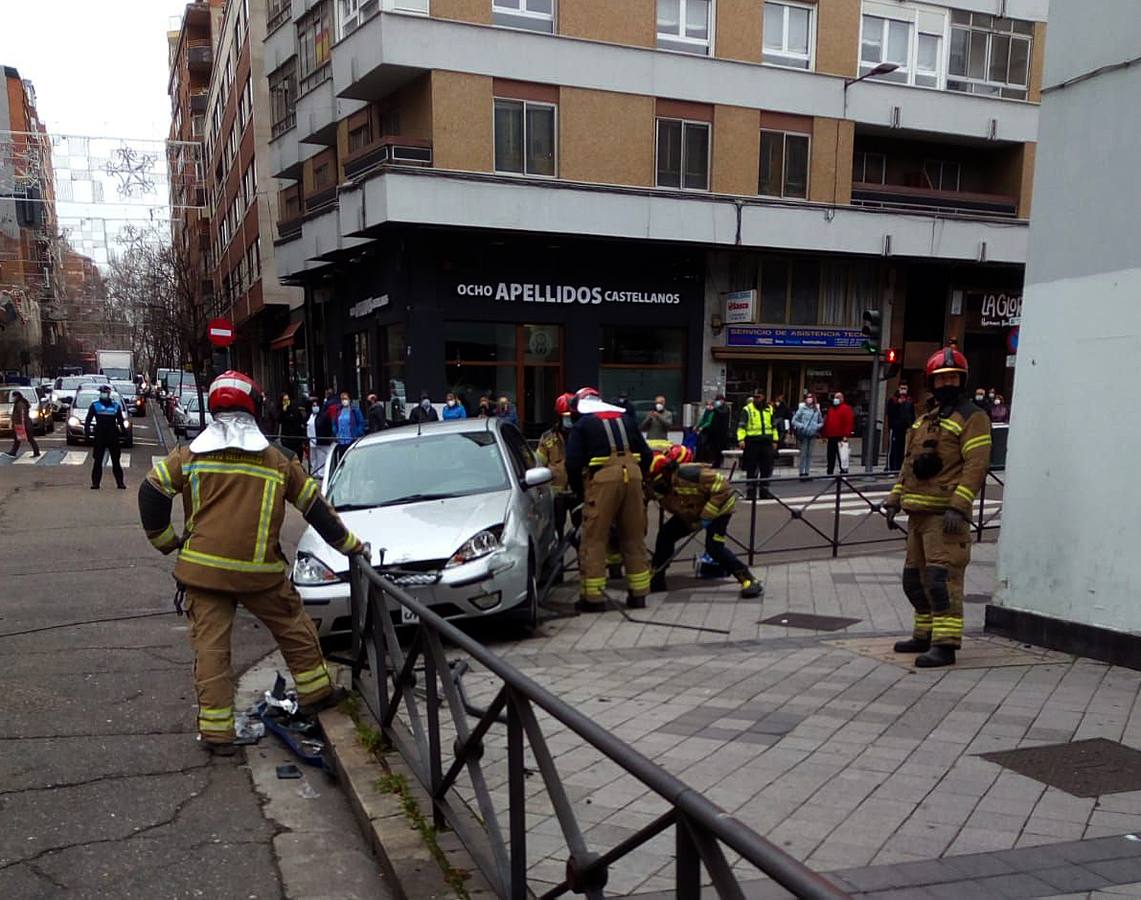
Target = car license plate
(407,617)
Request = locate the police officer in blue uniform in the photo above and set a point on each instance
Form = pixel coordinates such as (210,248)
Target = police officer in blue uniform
(107,416)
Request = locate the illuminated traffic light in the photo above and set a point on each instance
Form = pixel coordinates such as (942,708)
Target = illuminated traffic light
(873,330)
(892,363)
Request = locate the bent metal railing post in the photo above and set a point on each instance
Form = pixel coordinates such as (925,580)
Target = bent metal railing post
(386,676)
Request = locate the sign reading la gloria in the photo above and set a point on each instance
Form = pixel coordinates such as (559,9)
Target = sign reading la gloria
(1000,310)
(510,292)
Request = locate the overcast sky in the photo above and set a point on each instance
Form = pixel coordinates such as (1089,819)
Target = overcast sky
(100,68)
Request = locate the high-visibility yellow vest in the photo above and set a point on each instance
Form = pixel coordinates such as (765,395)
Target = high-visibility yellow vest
(755,423)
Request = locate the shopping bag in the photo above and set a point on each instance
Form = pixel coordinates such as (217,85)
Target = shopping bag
(21,432)
(845,455)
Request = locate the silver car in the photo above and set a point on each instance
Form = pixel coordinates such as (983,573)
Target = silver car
(460,512)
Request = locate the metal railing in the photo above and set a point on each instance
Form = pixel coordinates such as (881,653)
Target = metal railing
(855,496)
(386,675)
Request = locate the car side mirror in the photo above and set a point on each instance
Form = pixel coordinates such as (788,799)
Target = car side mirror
(537,477)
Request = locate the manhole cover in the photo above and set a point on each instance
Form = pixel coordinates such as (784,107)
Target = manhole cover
(809,621)
(1081,768)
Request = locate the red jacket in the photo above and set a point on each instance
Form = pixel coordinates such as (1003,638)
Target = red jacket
(840,422)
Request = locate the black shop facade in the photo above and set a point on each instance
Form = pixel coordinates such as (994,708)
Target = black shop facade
(522,316)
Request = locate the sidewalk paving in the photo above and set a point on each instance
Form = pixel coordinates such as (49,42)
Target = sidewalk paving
(850,762)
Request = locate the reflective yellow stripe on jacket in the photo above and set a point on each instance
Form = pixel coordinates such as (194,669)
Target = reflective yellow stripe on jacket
(212,561)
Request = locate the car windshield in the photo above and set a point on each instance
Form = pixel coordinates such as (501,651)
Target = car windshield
(85,398)
(73,381)
(425,467)
(125,388)
(6,394)
(192,404)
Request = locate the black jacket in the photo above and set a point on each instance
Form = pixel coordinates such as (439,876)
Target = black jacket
(588,440)
(108,419)
(900,414)
(377,421)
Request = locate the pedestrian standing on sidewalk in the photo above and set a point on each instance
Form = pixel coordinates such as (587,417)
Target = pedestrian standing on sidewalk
(839,424)
(318,447)
(656,424)
(347,427)
(1000,412)
(453,409)
(948,453)
(425,412)
(781,416)
(806,424)
(292,425)
(22,425)
(376,416)
(106,415)
(757,438)
(235,486)
(900,418)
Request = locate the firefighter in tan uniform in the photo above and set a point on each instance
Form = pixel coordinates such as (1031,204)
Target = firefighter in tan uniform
(552,453)
(607,458)
(234,488)
(697,497)
(948,453)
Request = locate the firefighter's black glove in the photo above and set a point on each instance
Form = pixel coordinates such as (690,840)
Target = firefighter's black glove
(954,522)
(890,512)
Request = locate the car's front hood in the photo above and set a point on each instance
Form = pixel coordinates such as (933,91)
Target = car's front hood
(414,532)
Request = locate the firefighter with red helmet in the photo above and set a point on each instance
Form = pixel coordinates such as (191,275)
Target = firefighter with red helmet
(944,466)
(698,498)
(234,486)
(552,453)
(607,458)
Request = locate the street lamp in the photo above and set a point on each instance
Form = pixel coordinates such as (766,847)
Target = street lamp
(884,68)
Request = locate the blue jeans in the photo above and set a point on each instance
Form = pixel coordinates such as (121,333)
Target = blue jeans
(805,454)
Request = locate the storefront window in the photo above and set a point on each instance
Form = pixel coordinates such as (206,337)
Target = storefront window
(641,363)
(362,363)
(392,354)
(523,362)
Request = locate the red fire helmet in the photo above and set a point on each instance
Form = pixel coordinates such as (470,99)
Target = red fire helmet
(947,360)
(563,404)
(233,390)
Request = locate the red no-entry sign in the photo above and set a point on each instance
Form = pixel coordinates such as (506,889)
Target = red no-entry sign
(220,332)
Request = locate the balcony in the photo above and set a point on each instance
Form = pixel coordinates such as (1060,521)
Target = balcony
(926,199)
(319,200)
(200,56)
(389,152)
(198,102)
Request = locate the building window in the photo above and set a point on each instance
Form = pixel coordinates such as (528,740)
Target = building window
(249,186)
(351,14)
(534,15)
(788,34)
(683,154)
(360,132)
(784,164)
(525,137)
(790,292)
(278,13)
(362,363)
(941,175)
(869,168)
(283,97)
(322,175)
(314,45)
(246,103)
(684,25)
(392,355)
(989,55)
(886,40)
(641,363)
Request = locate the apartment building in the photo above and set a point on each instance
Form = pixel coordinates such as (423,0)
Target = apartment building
(218,77)
(519,196)
(29,277)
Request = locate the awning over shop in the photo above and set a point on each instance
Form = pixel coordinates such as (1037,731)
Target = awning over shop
(285,340)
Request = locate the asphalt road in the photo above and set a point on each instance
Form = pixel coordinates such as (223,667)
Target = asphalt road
(103,789)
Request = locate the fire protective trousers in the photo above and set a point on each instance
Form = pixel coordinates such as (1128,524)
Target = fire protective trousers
(933,578)
(614,495)
(211,615)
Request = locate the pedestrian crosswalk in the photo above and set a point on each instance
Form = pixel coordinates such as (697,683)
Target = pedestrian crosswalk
(856,505)
(143,458)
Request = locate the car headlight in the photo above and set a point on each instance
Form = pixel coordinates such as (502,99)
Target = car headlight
(126,423)
(310,570)
(73,422)
(477,546)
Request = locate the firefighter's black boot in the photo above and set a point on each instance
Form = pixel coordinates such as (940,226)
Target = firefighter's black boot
(658,583)
(751,586)
(912,645)
(633,602)
(936,657)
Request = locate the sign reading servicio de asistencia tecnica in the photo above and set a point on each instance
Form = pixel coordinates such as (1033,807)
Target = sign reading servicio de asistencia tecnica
(510,292)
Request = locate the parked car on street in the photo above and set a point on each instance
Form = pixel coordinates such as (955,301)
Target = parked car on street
(76,430)
(134,403)
(42,408)
(180,415)
(190,423)
(460,512)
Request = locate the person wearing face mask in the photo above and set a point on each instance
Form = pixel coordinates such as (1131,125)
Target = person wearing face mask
(900,417)
(806,424)
(104,426)
(839,423)
(505,411)
(292,425)
(948,453)
(657,422)
(349,426)
(1000,412)
(453,409)
(424,412)
(376,419)
(314,428)
(757,437)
